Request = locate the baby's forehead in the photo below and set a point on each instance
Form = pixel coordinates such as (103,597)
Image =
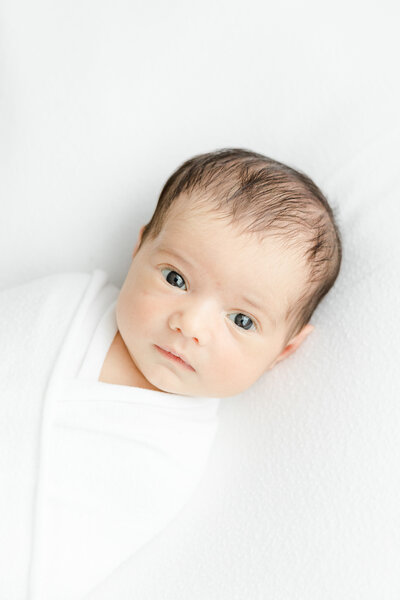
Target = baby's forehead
(206,233)
(192,224)
(211,247)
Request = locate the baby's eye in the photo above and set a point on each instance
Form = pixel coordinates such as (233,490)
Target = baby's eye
(173,278)
(241,320)
(244,320)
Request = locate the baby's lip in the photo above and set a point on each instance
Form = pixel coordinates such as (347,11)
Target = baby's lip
(172,351)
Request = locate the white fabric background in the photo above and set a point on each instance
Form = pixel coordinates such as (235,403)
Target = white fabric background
(100,102)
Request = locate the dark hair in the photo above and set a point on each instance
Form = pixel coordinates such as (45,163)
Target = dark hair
(270,199)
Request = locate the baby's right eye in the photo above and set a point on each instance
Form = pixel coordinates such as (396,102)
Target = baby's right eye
(173,277)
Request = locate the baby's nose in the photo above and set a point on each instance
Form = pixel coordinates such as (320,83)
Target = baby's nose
(195,338)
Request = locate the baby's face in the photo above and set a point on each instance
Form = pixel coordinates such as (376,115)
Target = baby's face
(191,290)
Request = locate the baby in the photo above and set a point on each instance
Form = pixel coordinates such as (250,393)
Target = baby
(223,281)
(224,278)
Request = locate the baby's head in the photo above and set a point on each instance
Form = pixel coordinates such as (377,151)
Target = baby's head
(239,252)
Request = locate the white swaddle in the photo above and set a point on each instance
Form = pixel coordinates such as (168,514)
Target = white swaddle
(90,471)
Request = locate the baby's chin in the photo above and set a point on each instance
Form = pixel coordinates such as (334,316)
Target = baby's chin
(179,388)
(159,382)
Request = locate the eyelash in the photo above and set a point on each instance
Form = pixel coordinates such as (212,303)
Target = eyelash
(166,268)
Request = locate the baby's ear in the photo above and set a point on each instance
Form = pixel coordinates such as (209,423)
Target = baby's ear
(138,241)
(293,344)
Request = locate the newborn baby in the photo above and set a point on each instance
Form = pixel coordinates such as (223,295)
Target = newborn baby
(226,275)
(110,397)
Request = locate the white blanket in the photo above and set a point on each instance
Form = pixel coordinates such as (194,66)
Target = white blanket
(89,471)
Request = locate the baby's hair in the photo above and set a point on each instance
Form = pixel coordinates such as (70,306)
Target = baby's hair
(268,198)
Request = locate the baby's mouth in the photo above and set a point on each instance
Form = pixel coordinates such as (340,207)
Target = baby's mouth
(175,358)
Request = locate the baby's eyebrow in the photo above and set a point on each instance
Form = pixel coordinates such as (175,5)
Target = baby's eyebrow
(247,300)
(175,255)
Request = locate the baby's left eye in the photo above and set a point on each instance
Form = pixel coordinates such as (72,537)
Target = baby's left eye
(243,319)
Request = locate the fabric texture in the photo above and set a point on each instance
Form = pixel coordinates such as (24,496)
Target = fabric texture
(90,471)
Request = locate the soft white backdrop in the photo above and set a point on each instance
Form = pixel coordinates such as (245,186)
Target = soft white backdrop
(100,102)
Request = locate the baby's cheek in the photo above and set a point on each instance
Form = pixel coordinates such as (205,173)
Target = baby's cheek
(143,313)
(236,362)
(226,362)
